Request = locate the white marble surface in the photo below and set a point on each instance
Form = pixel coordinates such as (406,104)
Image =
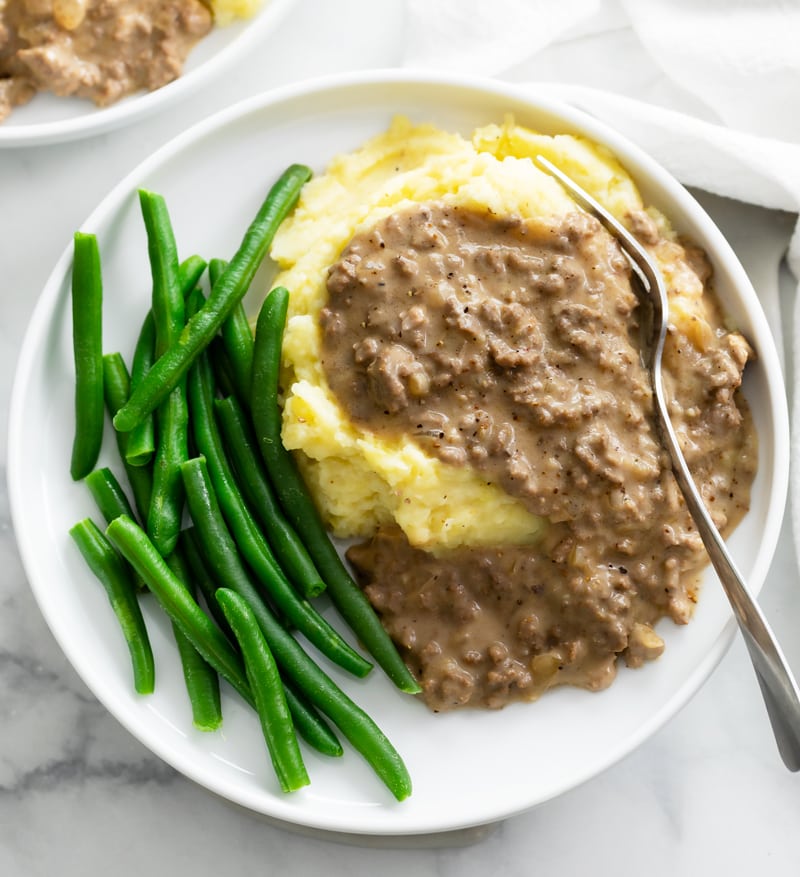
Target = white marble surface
(79,796)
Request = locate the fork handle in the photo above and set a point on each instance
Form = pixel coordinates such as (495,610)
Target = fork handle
(778,687)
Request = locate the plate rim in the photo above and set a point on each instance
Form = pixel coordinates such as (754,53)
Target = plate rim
(111,202)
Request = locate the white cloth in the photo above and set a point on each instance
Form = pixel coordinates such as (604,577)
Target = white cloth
(709,88)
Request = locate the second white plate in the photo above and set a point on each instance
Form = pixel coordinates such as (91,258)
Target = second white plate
(50,119)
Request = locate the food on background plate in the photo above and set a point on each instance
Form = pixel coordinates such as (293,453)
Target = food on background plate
(227,11)
(101,50)
(465,396)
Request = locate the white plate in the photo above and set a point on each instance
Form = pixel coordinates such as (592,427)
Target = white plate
(468,768)
(51,119)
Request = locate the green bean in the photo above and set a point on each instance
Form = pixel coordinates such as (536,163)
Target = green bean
(237,340)
(108,494)
(217,544)
(242,447)
(135,546)
(142,439)
(267,688)
(193,301)
(166,503)
(216,268)
(222,368)
(141,442)
(202,682)
(189,273)
(295,664)
(348,598)
(216,352)
(201,576)
(362,732)
(222,488)
(106,564)
(167,304)
(112,502)
(87,348)
(229,289)
(116,381)
(310,725)
(116,386)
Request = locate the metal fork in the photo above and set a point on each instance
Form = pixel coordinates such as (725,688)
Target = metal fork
(778,687)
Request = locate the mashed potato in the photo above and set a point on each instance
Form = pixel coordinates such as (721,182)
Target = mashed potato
(361,480)
(227,11)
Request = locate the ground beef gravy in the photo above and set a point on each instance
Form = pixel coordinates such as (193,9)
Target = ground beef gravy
(511,346)
(96,49)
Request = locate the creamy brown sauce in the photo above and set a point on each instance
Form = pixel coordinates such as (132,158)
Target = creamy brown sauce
(511,346)
(102,50)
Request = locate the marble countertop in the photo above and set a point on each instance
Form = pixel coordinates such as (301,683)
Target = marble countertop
(79,796)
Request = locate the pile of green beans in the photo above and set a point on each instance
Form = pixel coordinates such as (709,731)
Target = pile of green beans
(196,423)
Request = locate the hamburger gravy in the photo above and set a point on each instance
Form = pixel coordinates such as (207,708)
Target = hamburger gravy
(510,346)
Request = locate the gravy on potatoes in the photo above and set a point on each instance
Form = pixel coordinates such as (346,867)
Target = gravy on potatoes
(511,346)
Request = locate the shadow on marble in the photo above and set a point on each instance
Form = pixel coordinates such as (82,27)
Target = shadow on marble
(458,838)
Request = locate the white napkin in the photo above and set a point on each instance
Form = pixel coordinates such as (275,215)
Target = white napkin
(710,88)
